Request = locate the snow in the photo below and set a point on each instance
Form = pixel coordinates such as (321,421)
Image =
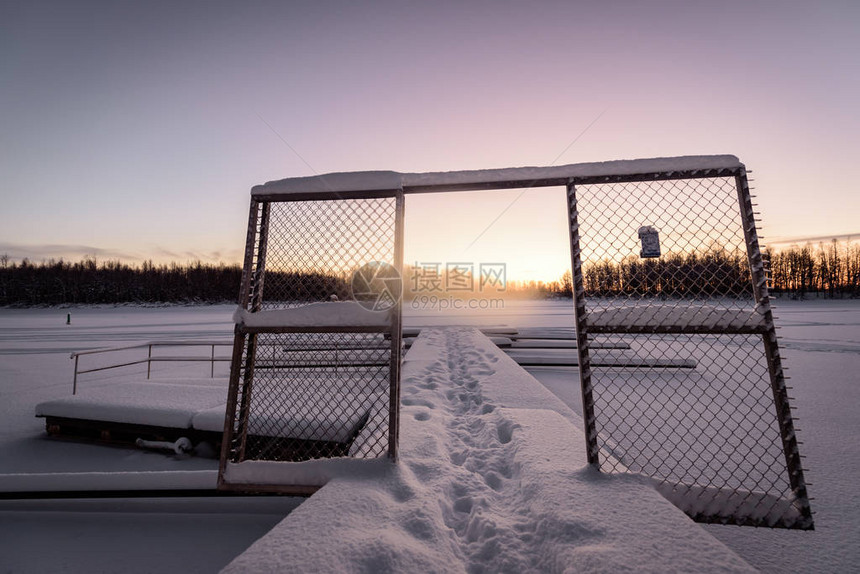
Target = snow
(820,341)
(303,421)
(153,403)
(330,314)
(308,473)
(369,181)
(752,505)
(676,317)
(202,407)
(484,483)
(524,176)
(820,345)
(188,535)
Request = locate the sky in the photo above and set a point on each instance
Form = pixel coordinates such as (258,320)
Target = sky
(135,130)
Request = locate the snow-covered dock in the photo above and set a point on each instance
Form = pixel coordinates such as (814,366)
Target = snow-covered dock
(491,477)
(194,410)
(557,348)
(143,408)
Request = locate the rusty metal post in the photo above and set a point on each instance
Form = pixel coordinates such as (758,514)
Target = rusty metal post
(245,293)
(149,360)
(771,347)
(581,329)
(75,379)
(396,334)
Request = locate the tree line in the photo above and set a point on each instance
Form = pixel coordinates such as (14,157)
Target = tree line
(831,270)
(60,282)
(716,272)
(56,282)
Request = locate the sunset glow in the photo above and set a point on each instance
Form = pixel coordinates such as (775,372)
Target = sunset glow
(134,131)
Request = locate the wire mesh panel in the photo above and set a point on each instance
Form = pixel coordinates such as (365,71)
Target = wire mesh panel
(312,395)
(316,358)
(313,248)
(669,265)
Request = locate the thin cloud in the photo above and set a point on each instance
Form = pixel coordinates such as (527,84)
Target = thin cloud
(811,239)
(161,253)
(74,252)
(40,252)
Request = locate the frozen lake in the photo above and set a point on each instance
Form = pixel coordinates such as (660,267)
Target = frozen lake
(821,347)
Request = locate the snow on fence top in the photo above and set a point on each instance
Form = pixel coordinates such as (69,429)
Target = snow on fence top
(347,185)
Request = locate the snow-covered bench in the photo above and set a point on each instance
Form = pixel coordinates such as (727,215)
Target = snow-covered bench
(134,409)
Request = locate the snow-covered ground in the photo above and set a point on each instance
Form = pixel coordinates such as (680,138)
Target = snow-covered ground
(491,478)
(122,535)
(821,341)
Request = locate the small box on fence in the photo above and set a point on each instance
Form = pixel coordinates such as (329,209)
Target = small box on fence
(650,239)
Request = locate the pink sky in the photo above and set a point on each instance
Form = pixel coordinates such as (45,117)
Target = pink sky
(135,130)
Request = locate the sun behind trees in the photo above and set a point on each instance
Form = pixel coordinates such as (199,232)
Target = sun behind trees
(831,270)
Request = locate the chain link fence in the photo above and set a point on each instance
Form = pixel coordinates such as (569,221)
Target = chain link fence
(313,248)
(671,301)
(313,395)
(669,265)
(316,372)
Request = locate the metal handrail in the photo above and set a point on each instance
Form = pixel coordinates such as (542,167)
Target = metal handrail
(212,359)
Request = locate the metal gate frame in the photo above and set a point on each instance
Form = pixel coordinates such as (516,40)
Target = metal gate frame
(393,184)
(801,515)
(245,345)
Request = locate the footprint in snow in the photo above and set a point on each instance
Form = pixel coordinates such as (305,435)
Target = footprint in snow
(494,481)
(506,431)
(411,401)
(463,504)
(459,457)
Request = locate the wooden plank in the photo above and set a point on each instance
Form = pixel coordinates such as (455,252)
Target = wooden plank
(506,342)
(628,363)
(675,318)
(564,343)
(559,358)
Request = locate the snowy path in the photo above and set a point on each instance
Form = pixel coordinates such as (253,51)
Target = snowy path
(491,479)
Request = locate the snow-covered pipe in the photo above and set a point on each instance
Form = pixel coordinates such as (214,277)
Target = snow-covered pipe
(181,446)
